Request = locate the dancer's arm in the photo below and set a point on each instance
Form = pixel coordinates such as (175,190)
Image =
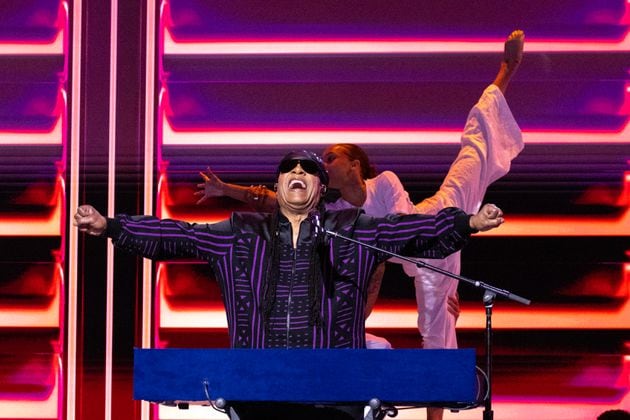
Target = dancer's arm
(258,197)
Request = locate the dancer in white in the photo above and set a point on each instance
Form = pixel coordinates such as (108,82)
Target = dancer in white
(490,141)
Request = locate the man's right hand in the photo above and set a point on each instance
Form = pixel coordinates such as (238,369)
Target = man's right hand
(90,221)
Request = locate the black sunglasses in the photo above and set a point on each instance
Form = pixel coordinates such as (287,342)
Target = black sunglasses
(309,166)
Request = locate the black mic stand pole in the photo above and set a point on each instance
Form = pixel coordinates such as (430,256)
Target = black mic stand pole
(490,292)
(488,301)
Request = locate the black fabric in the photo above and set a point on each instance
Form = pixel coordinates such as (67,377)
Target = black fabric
(280,411)
(306,155)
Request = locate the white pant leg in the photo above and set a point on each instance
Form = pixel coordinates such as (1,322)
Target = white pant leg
(435,323)
(491,139)
(375,342)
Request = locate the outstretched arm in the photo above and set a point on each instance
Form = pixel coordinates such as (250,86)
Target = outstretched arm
(426,236)
(258,197)
(157,239)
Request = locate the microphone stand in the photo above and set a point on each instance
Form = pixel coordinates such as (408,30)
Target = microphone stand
(490,292)
(488,301)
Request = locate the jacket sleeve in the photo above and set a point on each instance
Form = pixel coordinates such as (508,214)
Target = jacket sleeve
(416,235)
(161,239)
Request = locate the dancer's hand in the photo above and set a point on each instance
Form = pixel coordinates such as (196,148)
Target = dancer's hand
(452,305)
(212,186)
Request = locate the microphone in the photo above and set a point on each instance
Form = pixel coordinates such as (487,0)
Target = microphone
(316,222)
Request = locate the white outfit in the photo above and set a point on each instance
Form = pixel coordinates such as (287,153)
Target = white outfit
(491,139)
(384,194)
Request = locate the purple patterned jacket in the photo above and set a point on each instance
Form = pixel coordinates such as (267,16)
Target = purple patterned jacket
(238,249)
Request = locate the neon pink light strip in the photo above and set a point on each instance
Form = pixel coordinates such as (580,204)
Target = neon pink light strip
(24,48)
(54,136)
(172,47)
(111,204)
(149,121)
(148,164)
(75,142)
(172,137)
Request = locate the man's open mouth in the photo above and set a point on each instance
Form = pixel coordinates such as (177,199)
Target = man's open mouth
(297,184)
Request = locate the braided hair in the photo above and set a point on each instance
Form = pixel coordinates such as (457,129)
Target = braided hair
(318,250)
(318,253)
(273,264)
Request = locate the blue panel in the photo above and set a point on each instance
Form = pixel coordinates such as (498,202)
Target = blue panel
(306,376)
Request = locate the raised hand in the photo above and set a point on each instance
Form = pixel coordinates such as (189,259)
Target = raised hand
(89,220)
(212,186)
(489,217)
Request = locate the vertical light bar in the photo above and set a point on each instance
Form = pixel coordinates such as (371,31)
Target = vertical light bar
(111,208)
(147,279)
(73,234)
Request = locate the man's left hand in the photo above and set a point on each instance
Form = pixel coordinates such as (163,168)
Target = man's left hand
(489,217)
